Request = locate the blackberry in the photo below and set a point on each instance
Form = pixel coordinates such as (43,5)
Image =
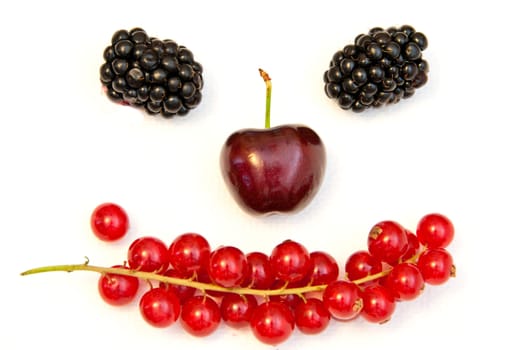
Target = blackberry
(158,75)
(379,68)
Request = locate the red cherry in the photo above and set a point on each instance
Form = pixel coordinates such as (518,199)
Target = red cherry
(228,267)
(159,307)
(378,304)
(436,266)
(118,289)
(272,322)
(435,231)
(342,300)
(109,222)
(273,170)
(189,253)
(387,241)
(290,261)
(237,310)
(148,254)
(311,316)
(405,281)
(200,315)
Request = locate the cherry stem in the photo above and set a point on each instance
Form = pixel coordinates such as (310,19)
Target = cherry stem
(150,276)
(268,86)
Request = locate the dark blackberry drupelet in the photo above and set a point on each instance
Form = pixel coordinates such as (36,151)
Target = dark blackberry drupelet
(379,68)
(158,75)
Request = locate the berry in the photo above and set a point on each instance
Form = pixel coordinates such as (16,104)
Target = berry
(189,253)
(237,310)
(413,246)
(159,307)
(118,289)
(311,316)
(182,292)
(379,68)
(436,266)
(148,254)
(387,241)
(379,304)
(435,231)
(405,281)
(159,76)
(109,222)
(325,268)
(272,322)
(200,315)
(228,267)
(342,300)
(290,261)
(362,264)
(261,275)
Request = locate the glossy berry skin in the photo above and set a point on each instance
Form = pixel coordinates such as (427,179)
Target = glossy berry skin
(228,267)
(414,246)
(361,264)
(290,261)
(189,253)
(183,293)
(311,316)
(435,231)
(379,304)
(159,307)
(387,241)
(436,266)
(237,310)
(325,268)
(118,289)
(200,316)
(272,322)
(261,275)
(342,299)
(274,170)
(148,254)
(405,281)
(109,222)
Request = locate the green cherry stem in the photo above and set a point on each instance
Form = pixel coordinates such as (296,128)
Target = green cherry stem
(150,276)
(268,87)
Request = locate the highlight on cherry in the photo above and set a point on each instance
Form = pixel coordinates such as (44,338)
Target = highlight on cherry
(272,294)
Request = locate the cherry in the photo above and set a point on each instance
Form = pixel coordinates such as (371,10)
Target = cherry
(228,267)
(290,261)
(272,322)
(159,307)
(189,253)
(311,316)
(387,241)
(342,299)
(378,304)
(273,170)
(109,222)
(200,315)
(237,310)
(435,231)
(116,289)
(405,281)
(436,266)
(148,254)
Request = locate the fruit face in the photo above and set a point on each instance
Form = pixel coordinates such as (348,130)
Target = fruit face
(273,170)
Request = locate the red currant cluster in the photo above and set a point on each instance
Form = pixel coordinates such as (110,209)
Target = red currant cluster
(276,293)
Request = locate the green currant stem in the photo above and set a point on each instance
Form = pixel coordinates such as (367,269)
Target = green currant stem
(150,276)
(268,86)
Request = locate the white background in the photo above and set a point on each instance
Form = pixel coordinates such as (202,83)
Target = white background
(457,147)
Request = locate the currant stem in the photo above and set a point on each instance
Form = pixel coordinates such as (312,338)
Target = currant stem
(150,276)
(268,86)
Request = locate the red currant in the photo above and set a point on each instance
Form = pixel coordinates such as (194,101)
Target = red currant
(405,281)
(436,266)
(362,264)
(200,315)
(237,310)
(325,268)
(116,289)
(109,222)
(311,316)
(228,267)
(159,307)
(148,254)
(413,246)
(272,322)
(387,241)
(342,300)
(290,300)
(379,304)
(182,292)
(261,275)
(290,261)
(435,231)
(189,253)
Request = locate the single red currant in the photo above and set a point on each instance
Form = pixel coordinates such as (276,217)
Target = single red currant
(311,316)
(342,300)
(290,300)
(413,246)
(237,310)
(200,315)
(435,231)
(116,289)
(325,268)
(405,281)
(182,292)
(436,266)
(362,264)
(379,304)
(261,274)
(290,261)
(148,254)
(228,267)
(272,322)
(189,253)
(159,307)
(387,241)
(109,222)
